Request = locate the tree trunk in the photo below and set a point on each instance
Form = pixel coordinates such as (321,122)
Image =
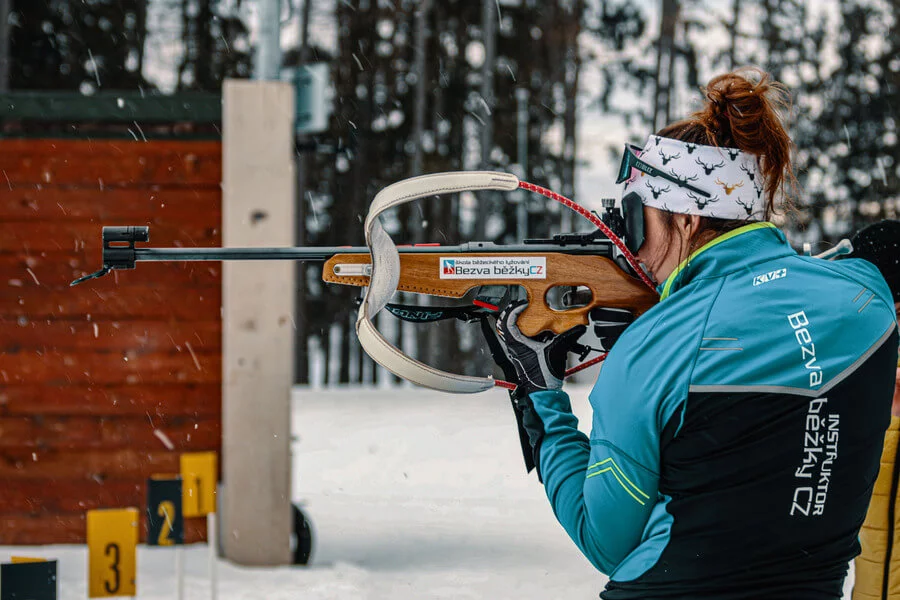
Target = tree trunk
(204,72)
(664,63)
(733,34)
(301,358)
(185,41)
(4,45)
(360,377)
(344,358)
(326,355)
(489,38)
(570,74)
(424,335)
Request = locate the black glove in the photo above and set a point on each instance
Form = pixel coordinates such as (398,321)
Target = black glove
(540,362)
(609,323)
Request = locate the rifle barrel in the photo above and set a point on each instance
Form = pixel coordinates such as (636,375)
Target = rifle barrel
(192,254)
(323,253)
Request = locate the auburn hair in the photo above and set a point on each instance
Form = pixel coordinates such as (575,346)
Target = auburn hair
(743,109)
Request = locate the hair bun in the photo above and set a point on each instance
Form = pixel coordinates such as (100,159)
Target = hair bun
(742,93)
(717,105)
(744,109)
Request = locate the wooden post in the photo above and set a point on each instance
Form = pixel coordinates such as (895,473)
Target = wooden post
(5,30)
(257,323)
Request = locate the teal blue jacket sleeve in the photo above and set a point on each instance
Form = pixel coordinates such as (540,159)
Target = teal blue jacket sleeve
(604,489)
(601,496)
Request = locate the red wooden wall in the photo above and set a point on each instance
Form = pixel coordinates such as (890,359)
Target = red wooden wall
(92,377)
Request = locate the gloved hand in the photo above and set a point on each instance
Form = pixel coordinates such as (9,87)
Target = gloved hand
(609,323)
(540,362)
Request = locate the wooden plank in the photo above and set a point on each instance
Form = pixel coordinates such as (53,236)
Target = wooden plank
(30,433)
(131,206)
(139,301)
(34,236)
(56,270)
(110,336)
(70,528)
(59,368)
(68,147)
(194,400)
(100,164)
(99,171)
(30,529)
(97,465)
(150,432)
(34,496)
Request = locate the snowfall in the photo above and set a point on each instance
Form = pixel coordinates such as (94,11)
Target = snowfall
(411,494)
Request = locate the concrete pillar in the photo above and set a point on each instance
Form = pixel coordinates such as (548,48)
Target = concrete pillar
(257,331)
(267,62)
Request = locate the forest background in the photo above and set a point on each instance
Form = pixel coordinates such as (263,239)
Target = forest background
(547,89)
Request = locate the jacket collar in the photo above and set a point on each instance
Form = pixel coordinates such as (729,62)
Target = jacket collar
(730,252)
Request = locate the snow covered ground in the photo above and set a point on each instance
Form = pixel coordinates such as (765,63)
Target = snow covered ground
(412,494)
(425,495)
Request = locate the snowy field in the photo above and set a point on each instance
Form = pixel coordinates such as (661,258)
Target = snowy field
(412,494)
(419,494)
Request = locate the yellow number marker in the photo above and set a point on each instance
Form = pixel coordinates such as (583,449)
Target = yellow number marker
(18,560)
(112,536)
(199,474)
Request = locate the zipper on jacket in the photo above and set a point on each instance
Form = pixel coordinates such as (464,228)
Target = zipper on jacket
(892,500)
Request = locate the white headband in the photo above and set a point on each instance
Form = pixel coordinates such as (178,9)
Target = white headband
(730,176)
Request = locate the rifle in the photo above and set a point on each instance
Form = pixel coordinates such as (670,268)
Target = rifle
(596,269)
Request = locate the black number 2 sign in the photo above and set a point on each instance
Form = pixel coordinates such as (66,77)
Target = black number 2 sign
(165,521)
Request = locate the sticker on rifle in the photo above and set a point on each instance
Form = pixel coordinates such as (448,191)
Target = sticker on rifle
(494,267)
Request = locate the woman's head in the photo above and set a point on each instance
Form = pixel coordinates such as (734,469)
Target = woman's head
(742,110)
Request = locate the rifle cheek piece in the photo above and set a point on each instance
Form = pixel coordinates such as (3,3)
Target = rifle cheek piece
(633,213)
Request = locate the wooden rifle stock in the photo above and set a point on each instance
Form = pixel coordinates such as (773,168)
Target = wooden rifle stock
(610,286)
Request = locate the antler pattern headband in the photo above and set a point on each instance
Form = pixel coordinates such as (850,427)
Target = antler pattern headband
(730,176)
